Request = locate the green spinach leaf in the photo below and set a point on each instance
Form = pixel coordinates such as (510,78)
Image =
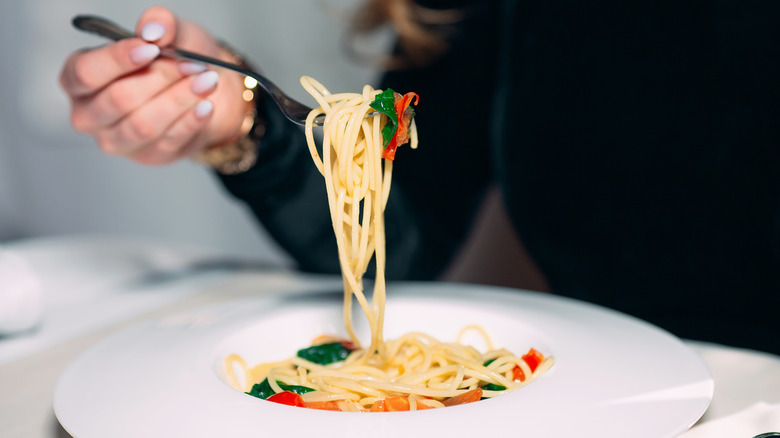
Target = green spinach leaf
(493,387)
(385,104)
(325,354)
(263,389)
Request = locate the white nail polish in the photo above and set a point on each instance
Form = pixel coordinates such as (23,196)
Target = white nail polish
(145,53)
(191,68)
(152,31)
(204,82)
(203,109)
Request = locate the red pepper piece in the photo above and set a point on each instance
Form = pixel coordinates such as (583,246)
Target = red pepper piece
(533,358)
(518,374)
(467,397)
(323,405)
(287,398)
(404,121)
(395,404)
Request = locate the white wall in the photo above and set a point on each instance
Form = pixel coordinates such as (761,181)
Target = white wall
(54,181)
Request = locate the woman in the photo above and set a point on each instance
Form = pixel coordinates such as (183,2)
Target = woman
(636,146)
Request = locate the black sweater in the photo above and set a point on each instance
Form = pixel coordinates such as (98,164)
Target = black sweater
(637,145)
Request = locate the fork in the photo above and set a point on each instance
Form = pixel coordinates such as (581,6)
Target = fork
(295,111)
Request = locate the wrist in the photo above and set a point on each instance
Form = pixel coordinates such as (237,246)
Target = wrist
(238,154)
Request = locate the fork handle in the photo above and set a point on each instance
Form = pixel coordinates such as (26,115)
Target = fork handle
(101,26)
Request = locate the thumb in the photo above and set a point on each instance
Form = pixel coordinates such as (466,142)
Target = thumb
(158,25)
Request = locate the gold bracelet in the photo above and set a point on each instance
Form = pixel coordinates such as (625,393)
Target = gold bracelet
(238,155)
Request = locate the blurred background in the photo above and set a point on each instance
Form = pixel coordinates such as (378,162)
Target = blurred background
(54,181)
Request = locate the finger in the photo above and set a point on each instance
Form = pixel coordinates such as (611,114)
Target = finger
(180,140)
(118,99)
(159,25)
(85,73)
(149,122)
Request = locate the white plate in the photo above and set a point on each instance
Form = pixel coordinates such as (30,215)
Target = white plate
(613,375)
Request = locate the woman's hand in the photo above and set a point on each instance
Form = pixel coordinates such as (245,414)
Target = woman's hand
(151,109)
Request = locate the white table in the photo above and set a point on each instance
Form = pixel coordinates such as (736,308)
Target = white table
(95,286)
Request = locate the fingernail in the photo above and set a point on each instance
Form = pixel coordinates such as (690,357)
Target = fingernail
(152,31)
(204,82)
(191,68)
(203,109)
(144,53)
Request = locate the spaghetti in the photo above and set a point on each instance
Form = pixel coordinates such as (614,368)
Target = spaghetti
(415,371)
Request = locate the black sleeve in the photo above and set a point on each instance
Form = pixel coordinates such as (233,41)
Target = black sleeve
(436,188)
(286,193)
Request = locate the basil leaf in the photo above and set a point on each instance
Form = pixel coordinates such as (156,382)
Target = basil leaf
(295,388)
(493,387)
(325,353)
(263,389)
(387,133)
(385,104)
(489,361)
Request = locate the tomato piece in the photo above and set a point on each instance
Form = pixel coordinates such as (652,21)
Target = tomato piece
(287,398)
(518,374)
(322,405)
(421,405)
(467,397)
(378,406)
(533,358)
(396,404)
(393,404)
(389,152)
